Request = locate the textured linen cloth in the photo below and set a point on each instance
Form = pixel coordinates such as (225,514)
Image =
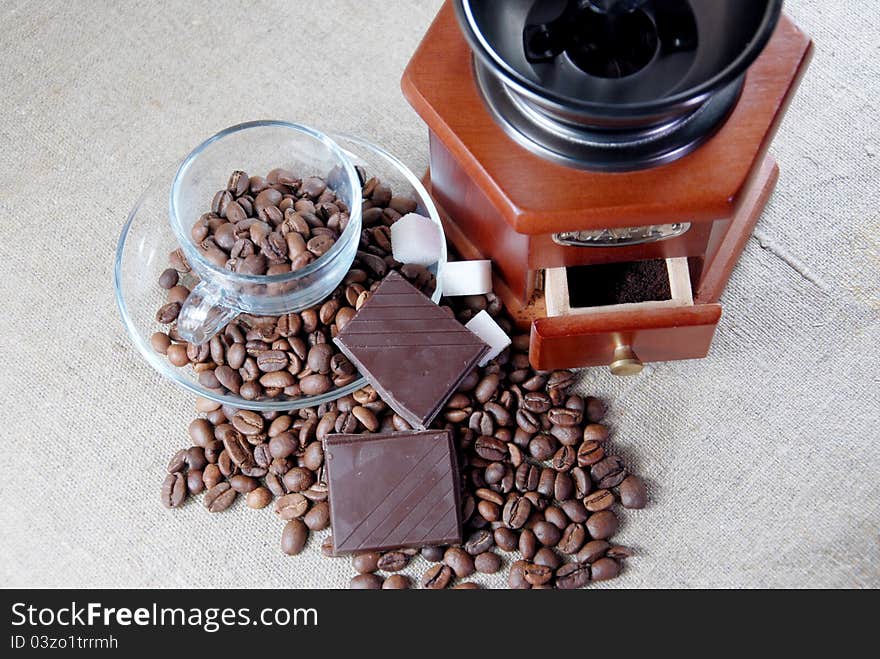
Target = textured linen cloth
(762,460)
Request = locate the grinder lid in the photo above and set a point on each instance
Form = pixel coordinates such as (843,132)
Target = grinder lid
(623,58)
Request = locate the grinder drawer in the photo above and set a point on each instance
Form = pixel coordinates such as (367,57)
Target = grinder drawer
(622,317)
(601,339)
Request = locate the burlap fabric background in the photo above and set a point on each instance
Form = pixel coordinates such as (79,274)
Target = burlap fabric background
(762,460)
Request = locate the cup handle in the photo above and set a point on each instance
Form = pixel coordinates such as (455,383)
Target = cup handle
(202,315)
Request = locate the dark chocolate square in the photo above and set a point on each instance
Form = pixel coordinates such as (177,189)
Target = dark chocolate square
(393,490)
(414,353)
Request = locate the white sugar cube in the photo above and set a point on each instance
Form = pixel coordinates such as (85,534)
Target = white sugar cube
(488,330)
(467,278)
(416,239)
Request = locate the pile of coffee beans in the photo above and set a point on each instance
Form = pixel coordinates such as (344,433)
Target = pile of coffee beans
(290,356)
(540,482)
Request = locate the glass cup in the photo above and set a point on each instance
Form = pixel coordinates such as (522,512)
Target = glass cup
(142,255)
(256,148)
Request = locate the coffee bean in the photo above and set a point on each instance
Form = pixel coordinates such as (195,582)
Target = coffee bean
(528,544)
(160,342)
(294,537)
(537,575)
(238,183)
(527,477)
(313,456)
(562,416)
(208,380)
(432,554)
(229,378)
(174,490)
(248,422)
(595,433)
(572,575)
(313,187)
(555,516)
(262,456)
(258,498)
(211,476)
(547,557)
(366,562)
(396,582)
(574,510)
(604,569)
(479,542)
(291,506)
(595,409)
(460,561)
(618,552)
(366,417)
(317,492)
(563,487)
(516,579)
(393,561)
(243,484)
(633,493)
(280,425)
(546,533)
(177,462)
(527,421)
(168,313)
(177,354)
(320,244)
(489,495)
(236,356)
(558,384)
(602,525)
(489,511)
(608,472)
(195,482)
(546,482)
(516,511)
(318,518)
(277,380)
(589,453)
(542,447)
(366,582)
(298,479)
(592,551)
(283,445)
(582,483)
(536,402)
(564,459)
(437,577)
(599,500)
(220,497)
(573,538)
(237,448)
(490,448)
(505,539)
(487,562)
(486,388)
(195,458)
(272,360)
(169,278)
(315,385)
(494,473)
(178,261)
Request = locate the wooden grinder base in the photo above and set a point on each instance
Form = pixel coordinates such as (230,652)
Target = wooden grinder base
(502,202)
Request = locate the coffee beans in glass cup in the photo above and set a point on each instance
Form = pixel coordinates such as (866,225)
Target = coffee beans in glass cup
(271,225)
(547,523)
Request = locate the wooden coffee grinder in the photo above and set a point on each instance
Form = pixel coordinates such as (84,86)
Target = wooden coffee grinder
(609,157)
